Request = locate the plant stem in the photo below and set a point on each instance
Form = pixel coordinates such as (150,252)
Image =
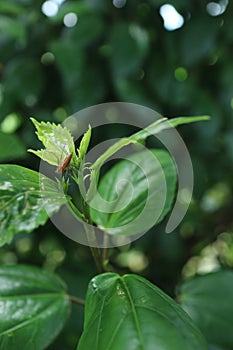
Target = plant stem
(76,300)
(94,251)
(87,224)
(97,257)
(75,209)
(90,233)
(105,252)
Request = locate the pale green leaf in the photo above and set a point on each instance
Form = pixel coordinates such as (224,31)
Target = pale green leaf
(164,124)
(84,143)
(58,143)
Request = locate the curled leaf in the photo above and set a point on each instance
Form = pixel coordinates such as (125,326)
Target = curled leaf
(84,143)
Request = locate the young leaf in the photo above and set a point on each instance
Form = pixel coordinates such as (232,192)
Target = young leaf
(84,143)
(34,307)
(153,129)
(22,201)
(131,313)
(208,300)
(57,140)
(138,193)
(164,124)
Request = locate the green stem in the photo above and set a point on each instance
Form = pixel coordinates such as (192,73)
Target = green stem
(97,257)
(87,224)
(110,151)
(75,209)
(105,252)
(92,243)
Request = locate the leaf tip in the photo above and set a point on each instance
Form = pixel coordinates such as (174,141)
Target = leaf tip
(206,117)
(33,120)
(32,151)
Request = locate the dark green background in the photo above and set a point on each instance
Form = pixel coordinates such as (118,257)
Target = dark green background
(123,55)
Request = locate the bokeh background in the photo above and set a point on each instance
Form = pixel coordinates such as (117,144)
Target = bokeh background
(57,57)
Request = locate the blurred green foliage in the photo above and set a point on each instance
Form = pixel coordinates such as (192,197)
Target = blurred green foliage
(50,70)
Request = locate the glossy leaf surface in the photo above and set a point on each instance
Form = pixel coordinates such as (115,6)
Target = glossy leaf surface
(131,313)
(22,202)
(34,307)
(136,193)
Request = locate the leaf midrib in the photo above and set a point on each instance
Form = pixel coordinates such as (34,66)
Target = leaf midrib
(137,324)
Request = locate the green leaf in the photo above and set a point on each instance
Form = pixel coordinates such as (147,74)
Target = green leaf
(11,147)
(185,120)
(136,206)
(153,129)
(164,124)
(34,307)
(131,313)
(22,201)
(208,300)
(58,143)
(84,143)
